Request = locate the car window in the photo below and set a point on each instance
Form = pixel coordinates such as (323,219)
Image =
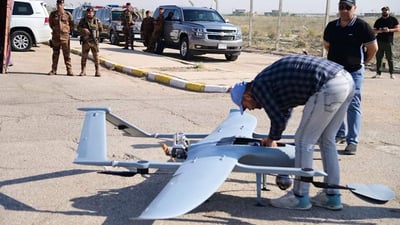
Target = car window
(99,14)
(171,14)
(177,15)
(22,8)
(202,15)
(116,15)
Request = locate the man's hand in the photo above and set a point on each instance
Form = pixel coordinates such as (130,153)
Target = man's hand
(269,142)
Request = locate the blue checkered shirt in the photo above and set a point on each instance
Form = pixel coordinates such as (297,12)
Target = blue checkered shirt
(290,82)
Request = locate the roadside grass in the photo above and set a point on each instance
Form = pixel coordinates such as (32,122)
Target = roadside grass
(298,34)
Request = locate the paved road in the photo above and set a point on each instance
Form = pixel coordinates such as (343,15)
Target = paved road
(207,73)
(40,127)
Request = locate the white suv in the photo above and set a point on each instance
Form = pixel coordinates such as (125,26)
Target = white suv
(29,24)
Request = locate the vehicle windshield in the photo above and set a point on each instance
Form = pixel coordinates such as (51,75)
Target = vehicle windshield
(202,15)
(116,15)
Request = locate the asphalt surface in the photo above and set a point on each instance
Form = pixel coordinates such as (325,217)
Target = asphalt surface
(40,129)
(208,73)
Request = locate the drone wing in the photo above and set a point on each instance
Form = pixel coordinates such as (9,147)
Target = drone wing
(202,173)
(193,183)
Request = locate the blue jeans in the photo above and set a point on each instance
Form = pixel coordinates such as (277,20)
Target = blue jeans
(354,111)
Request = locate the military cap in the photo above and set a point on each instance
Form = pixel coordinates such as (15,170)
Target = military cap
(385,8)
(60,1)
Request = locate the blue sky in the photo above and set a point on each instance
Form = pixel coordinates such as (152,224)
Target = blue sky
(259,6)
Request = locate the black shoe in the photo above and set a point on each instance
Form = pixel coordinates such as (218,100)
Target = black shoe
(340,140)
(125,48)
(350,149)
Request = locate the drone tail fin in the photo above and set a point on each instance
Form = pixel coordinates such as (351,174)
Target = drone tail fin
(92,147)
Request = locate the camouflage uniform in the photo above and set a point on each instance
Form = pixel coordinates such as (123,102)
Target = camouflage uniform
(61,25)
(157,31)
(127,21)
(146,29)
(89,42)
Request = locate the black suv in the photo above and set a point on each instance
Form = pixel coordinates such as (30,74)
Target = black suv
(110,17)
(196,31)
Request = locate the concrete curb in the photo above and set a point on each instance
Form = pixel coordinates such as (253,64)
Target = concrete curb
(159,77)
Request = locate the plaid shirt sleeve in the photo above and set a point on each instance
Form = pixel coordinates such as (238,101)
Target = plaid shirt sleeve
(279,118)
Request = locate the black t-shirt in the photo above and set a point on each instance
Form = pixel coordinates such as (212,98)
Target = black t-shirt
(390,22)
(346,43)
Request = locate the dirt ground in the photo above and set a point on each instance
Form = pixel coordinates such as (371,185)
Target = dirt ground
(40,128)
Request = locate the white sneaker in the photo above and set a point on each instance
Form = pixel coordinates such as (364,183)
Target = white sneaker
(392,76)
(290,201)
(376,76)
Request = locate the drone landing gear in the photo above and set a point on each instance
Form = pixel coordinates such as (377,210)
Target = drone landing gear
(261,182)
(282,181)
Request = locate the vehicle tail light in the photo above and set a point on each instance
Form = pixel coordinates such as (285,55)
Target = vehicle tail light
(46,20)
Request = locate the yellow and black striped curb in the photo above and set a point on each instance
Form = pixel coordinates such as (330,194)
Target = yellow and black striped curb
(160,77)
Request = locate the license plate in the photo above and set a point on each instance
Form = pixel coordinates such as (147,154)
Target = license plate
(222,46)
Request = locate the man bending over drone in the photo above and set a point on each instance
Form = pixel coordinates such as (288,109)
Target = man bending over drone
(325,89)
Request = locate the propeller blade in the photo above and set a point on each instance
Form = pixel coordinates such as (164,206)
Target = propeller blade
(373,193)
(331,186)
(119,173)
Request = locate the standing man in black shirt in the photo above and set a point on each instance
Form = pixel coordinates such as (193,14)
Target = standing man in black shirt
(384,27)
(350,42)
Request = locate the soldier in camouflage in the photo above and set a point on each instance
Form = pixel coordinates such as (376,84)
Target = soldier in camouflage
(128,17)
(61,24)
(146,29)
(157,31)
(89,28)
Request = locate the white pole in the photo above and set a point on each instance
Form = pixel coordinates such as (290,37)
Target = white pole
(216,4)
(326,22)
(278,27)
(250,22)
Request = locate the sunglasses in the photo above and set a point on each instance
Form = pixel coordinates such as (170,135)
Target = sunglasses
(345,7)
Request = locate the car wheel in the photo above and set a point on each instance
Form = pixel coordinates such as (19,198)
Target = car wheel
(114,38)
(21,41)
(231,57)
(184,48)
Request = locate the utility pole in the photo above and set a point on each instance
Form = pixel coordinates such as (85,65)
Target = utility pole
(216,4)
(5,9)
(278,27)
(326,23)
(250,23)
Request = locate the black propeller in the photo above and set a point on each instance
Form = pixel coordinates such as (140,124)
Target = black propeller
(119,173)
